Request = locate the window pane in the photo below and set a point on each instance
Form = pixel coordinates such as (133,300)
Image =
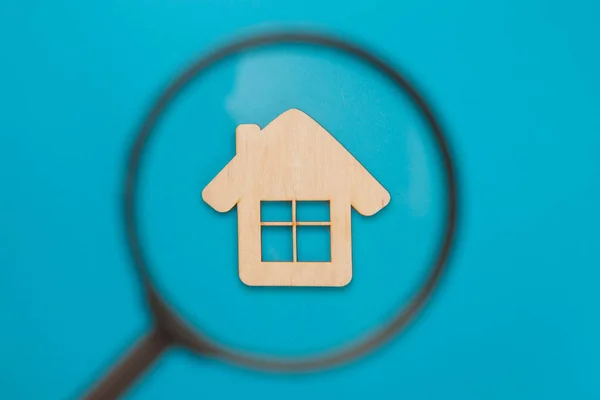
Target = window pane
(314,243)
(312,211)
(274,211)
(276,243)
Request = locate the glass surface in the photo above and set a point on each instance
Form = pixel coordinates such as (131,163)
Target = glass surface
(193,249)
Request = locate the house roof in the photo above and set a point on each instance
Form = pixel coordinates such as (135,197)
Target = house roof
(293,157)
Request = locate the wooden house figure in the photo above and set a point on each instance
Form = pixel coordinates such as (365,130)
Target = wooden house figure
(293,159)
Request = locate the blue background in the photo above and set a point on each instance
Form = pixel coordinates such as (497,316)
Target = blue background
(516,86)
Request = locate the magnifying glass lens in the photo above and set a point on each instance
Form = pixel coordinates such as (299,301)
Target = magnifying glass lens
(192,250)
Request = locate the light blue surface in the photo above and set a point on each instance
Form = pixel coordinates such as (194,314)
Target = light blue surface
(516,85)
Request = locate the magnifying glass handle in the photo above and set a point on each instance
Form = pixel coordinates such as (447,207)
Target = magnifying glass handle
(131,367)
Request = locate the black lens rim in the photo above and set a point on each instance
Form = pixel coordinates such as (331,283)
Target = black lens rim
(166,318)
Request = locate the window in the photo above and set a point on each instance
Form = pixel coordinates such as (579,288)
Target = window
(295,231)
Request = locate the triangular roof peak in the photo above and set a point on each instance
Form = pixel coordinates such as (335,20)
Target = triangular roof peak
(292,120)
(292,113)
(294,117)
(294,156)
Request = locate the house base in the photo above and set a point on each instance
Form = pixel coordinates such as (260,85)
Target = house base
(296,274)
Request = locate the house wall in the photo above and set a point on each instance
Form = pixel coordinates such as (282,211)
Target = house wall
(254,272)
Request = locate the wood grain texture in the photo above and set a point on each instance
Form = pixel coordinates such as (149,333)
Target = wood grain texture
(293,159)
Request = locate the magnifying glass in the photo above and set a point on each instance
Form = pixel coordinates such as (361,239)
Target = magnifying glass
(282,329)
